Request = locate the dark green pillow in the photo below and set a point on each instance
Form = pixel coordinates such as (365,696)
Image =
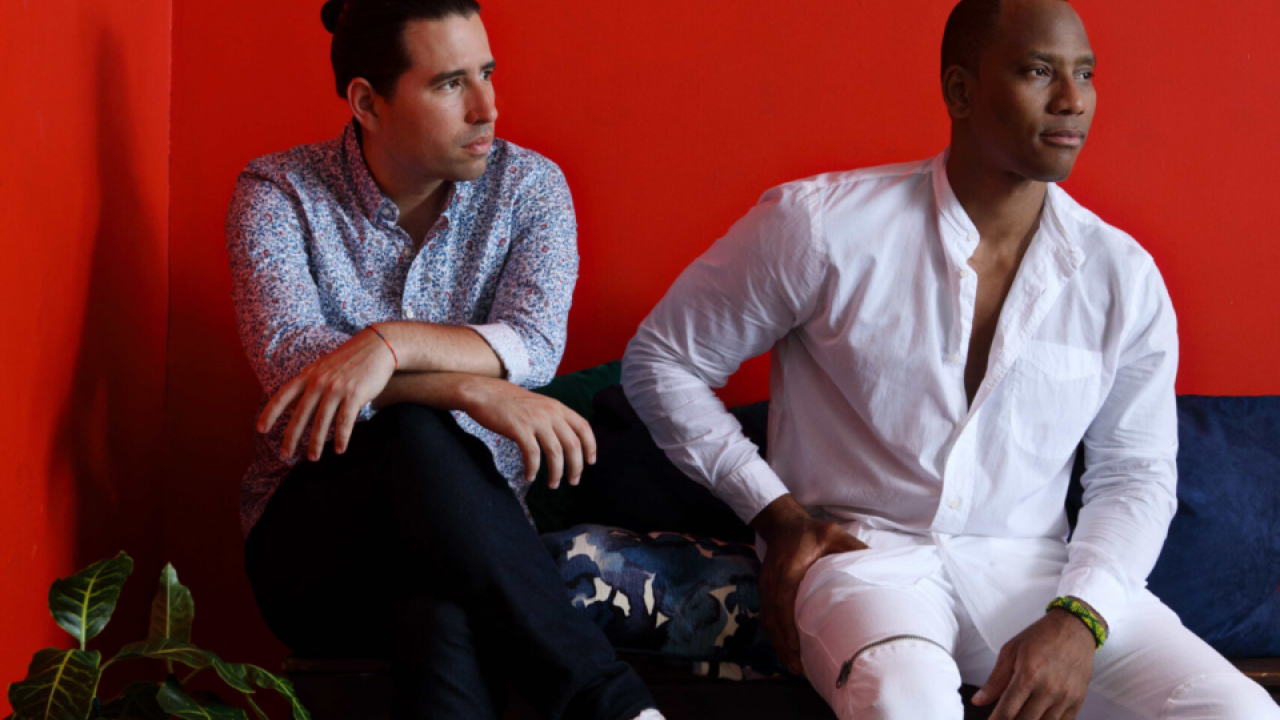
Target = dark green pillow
(551,509)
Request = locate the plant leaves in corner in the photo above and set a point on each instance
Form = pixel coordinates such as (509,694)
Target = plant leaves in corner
(59,686)
(82,604)
(177,702)
(137,702)
(173,610)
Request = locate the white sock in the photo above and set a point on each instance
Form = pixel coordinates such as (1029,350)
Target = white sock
(650,714)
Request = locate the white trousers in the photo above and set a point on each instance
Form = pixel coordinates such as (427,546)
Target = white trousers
(912,644)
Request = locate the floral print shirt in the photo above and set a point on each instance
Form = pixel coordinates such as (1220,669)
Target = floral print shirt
(316,256)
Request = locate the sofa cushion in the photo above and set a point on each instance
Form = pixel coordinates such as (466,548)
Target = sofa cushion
(667,593)
(1220,567)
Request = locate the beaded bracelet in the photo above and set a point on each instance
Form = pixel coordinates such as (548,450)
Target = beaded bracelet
(1082,611)
(388,342)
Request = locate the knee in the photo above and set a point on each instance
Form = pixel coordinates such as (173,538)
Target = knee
(1227,695)
(903,679)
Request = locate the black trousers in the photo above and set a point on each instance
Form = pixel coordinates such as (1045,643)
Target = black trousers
(411,546)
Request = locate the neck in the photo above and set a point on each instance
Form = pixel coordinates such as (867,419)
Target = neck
(1004,206)
(410,191)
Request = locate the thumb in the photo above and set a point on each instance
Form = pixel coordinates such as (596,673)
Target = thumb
(999,680)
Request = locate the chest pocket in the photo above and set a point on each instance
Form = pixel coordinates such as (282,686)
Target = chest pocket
(1057,393)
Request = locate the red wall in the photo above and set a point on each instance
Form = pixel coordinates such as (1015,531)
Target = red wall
(84,190)
(669,120)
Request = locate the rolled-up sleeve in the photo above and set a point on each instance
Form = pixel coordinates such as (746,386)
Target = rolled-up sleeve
(277,303)
(528,321)
(750,289)
(1131,460)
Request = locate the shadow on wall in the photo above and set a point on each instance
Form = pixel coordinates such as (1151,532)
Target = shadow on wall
(109,433)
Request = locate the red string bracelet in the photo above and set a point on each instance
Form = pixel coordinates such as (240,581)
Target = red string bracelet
(388,342)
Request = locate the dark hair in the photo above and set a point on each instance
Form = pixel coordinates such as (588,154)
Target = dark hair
(969,31)
(368,37)
(970,28)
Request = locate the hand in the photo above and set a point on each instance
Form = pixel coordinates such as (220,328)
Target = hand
(339,383)
(533,421)
(796,541)
(1043,672)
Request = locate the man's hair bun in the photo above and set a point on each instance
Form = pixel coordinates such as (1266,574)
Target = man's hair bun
(330,13)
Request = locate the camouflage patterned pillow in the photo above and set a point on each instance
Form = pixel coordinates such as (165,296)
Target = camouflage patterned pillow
(667,593)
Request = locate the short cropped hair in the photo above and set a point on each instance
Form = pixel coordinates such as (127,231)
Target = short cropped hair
(969,31)
(368,37)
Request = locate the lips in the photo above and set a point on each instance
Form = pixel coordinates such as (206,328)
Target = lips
(1066,138)
(480,145)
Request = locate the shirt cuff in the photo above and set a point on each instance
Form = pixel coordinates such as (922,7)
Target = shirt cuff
(1100,589)
(509,348)
(750,489)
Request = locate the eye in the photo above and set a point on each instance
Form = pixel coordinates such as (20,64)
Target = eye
(452,85)
(488,75)
(1040,72)
(1086,74)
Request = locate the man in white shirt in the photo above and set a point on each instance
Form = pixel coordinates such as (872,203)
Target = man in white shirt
(945,334)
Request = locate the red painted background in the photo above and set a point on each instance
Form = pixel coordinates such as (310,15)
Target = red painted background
(669,120)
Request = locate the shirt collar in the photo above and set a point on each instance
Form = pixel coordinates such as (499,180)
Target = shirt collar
(372,200)
(1066,252)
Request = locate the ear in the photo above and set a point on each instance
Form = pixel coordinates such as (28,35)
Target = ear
(361,96)
(957,91)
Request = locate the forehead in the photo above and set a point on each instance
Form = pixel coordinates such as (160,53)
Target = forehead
(450,43)
(1049,27)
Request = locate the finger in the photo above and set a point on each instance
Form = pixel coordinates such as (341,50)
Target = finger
(1037,706)
(278,403)
(347,417)
(787,591)
(554,454)
(301,416)
(532,455)
(585,435)
(572,452)
(325,411)
(1013,698)
(999,679)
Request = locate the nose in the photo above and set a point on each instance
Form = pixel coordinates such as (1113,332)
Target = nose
(482,110)
(1070,99)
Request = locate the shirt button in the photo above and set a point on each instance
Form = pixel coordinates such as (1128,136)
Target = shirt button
(972,237)
(964,274)
(409,313)
(954,504)
(953,357)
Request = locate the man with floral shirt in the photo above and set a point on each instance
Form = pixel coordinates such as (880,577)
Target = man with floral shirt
(398,289)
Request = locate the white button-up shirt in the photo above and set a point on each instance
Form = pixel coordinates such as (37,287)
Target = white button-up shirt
(860,284)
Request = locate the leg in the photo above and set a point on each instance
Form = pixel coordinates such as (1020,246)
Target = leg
(416,506)
(1155,668)
(879,651)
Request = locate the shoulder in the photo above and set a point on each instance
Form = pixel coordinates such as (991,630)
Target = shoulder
(302,173)
(514,168)
(1108,248)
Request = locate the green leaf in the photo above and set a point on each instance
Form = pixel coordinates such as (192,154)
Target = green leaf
(59,686)
(177,702)
(82,604)
(233,674)
(173,610)
(137,702)
(267,681)
(164,649)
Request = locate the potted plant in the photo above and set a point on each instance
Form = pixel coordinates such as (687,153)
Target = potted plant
(63,684)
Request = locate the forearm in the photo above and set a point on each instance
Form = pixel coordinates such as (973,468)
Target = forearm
(428,348)
(440,390)
(777,516)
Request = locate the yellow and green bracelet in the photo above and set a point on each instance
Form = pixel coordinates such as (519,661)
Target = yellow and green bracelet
(1082,611)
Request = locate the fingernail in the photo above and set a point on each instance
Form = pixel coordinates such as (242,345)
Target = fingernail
(592,460)
(979,697)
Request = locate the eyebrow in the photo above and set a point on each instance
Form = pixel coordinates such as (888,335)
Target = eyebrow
(1052,59)
(455,74)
